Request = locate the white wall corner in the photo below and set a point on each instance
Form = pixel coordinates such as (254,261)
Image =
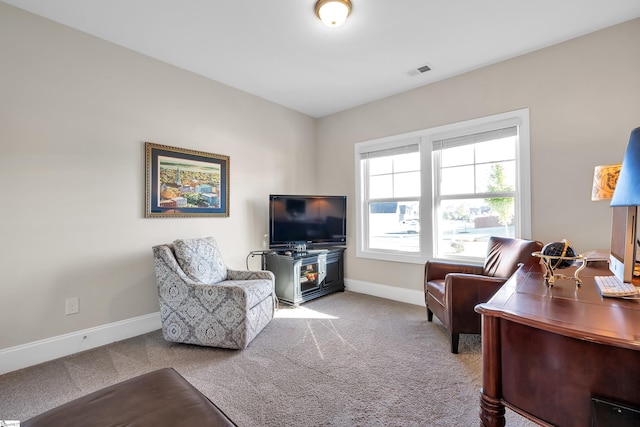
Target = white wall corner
(33,353)
(409,296)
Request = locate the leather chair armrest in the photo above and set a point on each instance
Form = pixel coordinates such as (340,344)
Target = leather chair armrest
(434,270)
(462,281)
(464,291)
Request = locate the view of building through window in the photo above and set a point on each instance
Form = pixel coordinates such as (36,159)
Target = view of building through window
(394,194)
(394,226)
(466,225)
(476,195)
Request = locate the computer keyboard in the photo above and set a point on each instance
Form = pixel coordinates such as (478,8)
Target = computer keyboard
(611,286)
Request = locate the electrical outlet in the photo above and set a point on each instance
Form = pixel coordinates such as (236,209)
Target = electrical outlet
(72,306)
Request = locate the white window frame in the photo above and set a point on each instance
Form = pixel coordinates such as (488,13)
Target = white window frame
(362,220)
(425,138)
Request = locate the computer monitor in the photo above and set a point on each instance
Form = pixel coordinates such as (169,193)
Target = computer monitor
(623,242)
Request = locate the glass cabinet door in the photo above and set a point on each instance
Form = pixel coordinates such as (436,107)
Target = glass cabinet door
(309,277)
(312,273)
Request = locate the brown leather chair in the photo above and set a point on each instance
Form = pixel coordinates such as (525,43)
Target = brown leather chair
(452,290)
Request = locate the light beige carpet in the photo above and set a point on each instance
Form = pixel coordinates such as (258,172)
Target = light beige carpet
(345,359)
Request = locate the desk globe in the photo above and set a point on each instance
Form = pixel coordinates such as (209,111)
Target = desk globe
(557,251)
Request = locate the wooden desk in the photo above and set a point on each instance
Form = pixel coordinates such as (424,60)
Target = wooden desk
(547,351)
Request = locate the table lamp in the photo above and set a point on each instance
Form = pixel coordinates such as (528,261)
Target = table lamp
(627,190)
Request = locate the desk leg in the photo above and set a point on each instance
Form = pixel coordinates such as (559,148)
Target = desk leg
(491,407)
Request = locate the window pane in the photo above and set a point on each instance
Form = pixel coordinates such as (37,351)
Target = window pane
(406,162)
(406,184)
(496,177)
(457,156)
(381,186)
(457,180)
(394,226)
(380,165)
(464,226)
(496,150)
(394,176)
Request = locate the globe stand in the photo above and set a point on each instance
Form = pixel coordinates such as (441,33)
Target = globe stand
(549,262)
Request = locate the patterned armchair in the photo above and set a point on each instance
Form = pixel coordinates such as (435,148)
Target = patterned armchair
(203,302)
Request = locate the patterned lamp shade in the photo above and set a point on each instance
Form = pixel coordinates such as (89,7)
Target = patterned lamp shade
(604,181)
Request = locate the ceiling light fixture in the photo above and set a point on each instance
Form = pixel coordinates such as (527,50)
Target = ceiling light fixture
(333,12)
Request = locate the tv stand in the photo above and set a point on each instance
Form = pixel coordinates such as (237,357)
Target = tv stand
(303,276)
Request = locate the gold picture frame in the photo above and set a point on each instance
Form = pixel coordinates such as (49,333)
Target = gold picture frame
(185,183)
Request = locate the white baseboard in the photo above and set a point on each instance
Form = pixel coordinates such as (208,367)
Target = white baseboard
(33,353)
(409,296)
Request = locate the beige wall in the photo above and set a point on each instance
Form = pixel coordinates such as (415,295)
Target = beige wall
(74,114)
(583,101)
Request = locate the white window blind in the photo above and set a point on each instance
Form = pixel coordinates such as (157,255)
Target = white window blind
(459,141)
(386,152)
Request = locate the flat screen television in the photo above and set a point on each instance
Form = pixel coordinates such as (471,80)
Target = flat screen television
(314,221)
(623,242)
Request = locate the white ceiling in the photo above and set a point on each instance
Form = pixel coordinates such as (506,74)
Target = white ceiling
(280,51)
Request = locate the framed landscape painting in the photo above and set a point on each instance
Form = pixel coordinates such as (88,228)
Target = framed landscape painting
(185,183)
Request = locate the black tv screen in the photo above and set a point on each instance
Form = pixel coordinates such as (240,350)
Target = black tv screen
(314,220)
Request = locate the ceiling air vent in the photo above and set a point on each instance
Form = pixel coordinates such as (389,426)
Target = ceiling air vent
(419,70)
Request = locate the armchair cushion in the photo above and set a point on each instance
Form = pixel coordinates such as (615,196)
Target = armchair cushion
(504,255)
(200,259)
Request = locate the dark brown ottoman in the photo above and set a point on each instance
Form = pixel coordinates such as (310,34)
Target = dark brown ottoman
(159,398)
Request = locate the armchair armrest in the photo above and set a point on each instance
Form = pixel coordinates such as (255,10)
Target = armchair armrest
(437,270)
(463,292)
(233,275)
(463,282)
(250,275)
